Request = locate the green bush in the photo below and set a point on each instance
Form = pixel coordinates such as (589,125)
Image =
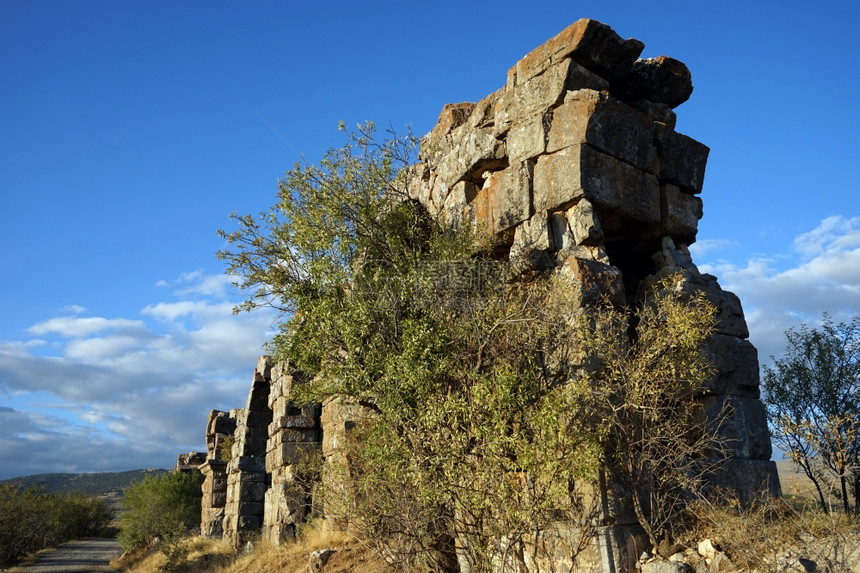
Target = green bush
(31,519)
(159,509)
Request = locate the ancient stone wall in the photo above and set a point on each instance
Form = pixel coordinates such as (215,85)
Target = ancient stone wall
(576,167)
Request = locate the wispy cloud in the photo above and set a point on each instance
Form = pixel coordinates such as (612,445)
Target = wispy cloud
(779,292)
(113,393)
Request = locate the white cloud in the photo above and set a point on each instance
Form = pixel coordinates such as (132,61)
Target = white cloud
(700,248)
(126,392)
(71,326)
(824,275)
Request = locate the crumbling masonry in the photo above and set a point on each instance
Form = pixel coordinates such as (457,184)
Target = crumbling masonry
(575,164)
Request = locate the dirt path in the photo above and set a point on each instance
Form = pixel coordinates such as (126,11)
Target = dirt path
(75,556)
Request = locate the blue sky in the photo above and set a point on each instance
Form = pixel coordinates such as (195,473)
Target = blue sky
(129,131)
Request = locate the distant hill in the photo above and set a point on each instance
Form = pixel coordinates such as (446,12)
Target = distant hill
(91,484)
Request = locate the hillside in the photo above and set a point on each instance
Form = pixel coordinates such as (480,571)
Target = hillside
(90,483)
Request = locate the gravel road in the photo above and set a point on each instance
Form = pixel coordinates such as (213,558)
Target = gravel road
(74,557)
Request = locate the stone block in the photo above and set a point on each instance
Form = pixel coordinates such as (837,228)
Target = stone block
(505,199)
(736,363)
(591,43)
(584,224)
(562,235)
(606,124)
(252,491)
(683,160)
(465,154)
(258,419)
(592,282)
(741,424)
(218,499)
(527,139)
(625,198)
(532,234)
(679,214)
(293,453)
(250,522)
(541,93)
(249,464)
(662,80)
(454,209)
(747,478)
(339,415)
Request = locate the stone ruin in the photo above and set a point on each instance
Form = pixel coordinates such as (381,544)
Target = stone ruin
(575,166)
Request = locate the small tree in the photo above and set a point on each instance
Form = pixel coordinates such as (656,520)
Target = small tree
(159,508)
(31,519)
(812,395)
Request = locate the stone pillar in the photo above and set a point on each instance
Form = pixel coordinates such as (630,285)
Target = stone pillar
(219,432)
(247,480)
(214,498)
(292,459)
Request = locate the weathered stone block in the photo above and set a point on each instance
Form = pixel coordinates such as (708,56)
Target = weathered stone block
(248,464)
(584,224)
(532,234)
(747,478)
(741,424)
(562,235)
(454,209)
(596,118)
(661,80)
(252,491)
(619,192)
(250,508)
(679,214)
(541,93)
(463,155)
(591,43)
(505,199)
(736,362)
(527,139)
(250,522)
(593,282)
(292,453)
(683,160)
(218,499)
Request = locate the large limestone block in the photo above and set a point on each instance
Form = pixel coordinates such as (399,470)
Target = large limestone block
(455,207)
(747,478)
(596,118)
(621,193)
(528,139)
(465,154)
(740,424)
(505,199)
(252,491)
(660,80)
(339,417)
(736,363)
(683,160)
(584,224)
(591,43)
(288,453)
(679,214)
(533,234)
(541,93)
(591,282)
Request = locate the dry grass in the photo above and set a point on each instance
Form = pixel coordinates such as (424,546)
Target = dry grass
(764,535)
(208,555)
